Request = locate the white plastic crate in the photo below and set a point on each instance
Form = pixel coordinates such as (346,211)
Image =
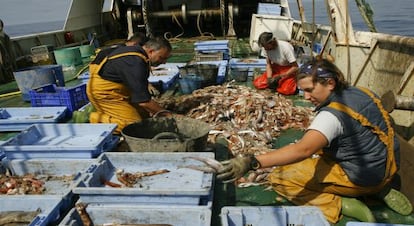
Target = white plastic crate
(180,186)
(271,215)
(101,214)
(49,207)
(251,64)
(372,224)
(247,62)
(61,140)
(19,118)
(280,26)
(166,73)
(269,9)
(59,177)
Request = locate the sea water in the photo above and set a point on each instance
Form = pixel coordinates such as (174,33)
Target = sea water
(390,16)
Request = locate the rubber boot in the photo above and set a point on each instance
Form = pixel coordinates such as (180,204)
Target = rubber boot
(396,201)
(352,207)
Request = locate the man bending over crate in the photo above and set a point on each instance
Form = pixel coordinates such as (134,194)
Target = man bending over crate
(118,84)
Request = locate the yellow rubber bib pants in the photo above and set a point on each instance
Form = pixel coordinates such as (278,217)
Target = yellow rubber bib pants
(321,182)
(111,99)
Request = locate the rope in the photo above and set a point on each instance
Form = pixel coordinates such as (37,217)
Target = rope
(348,48)
(203,35)
(367,14)
(168,35)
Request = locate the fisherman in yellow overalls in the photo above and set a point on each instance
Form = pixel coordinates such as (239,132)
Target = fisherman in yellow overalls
(349,150)
(118,84)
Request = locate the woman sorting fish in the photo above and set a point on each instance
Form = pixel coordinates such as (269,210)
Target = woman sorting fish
(350,150)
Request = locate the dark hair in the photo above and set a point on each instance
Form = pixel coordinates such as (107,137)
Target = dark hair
(321,70)
(265,38)
(158,43)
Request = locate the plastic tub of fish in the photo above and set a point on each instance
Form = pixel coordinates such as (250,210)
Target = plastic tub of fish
(19,118)
(32,211)
(63,140)
(157,215)
(163,134)
(164,179)
(271,215)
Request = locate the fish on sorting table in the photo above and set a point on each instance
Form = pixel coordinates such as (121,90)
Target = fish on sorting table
(18,217)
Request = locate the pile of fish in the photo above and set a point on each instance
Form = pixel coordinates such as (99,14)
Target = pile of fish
(20,185)
(248,119)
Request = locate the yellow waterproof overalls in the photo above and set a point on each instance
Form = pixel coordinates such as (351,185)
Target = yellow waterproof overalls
(321,181)
(111,99)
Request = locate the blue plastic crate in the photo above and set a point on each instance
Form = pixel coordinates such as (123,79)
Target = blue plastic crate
(269,9)
(166,74)
(212,43)
(19,118)
(61,140)
(51,95)
(372,224)
(59,177)
(84,77)
(127,214)
(49,207)
(247,62)
(36,76)
(180,186)
(271,215)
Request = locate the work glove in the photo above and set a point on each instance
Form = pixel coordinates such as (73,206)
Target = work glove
(273,82)
(234,169)
(153,91)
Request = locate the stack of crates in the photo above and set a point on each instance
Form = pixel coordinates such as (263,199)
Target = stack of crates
(212,50)
(252,65)
(175,196)
(51,157)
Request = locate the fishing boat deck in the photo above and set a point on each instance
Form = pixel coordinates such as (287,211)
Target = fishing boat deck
(224,194)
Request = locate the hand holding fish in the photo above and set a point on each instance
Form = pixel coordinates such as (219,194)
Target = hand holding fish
(234,169)
(228,171)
